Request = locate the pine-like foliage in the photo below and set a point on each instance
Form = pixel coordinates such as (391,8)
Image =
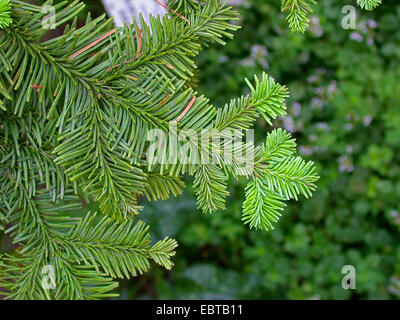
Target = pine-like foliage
(5,18)
(369,4)
(298,11)
(75,113)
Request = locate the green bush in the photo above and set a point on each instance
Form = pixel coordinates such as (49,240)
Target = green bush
(345,114)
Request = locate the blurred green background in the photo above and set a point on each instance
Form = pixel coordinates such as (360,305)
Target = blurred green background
(344,111)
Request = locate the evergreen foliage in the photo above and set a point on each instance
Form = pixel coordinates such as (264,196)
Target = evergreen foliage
(5,18)
(297,11)
(369,4)
(343,111)
(75,112)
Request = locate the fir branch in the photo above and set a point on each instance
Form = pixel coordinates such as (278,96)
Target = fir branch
(74,118)
(290,177)
(269,97)
(210,185)
(28,277)
(161,186)
(279,144)
(262,206)
(5,14)
(369,4)
(122,250)
(298,11)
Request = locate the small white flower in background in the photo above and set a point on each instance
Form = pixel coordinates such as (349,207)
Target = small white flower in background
(356,36)
(317,76)
(362,26)
(296,108)
(315,27)
(312,137)
(345,164)
(372,24)
(365,27)
(394,213)
(306,150)
(332,88)
(223,59)
(288,124)
(247,62)
(367,121)
(394,286)
(349,149)
(317,103)
(349,126)
(323,126)
(259,54)
(319,90)
(312,79)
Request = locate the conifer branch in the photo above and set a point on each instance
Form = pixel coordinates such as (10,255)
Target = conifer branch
(5,14)
(298,11)
(75,113)
(369,4)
